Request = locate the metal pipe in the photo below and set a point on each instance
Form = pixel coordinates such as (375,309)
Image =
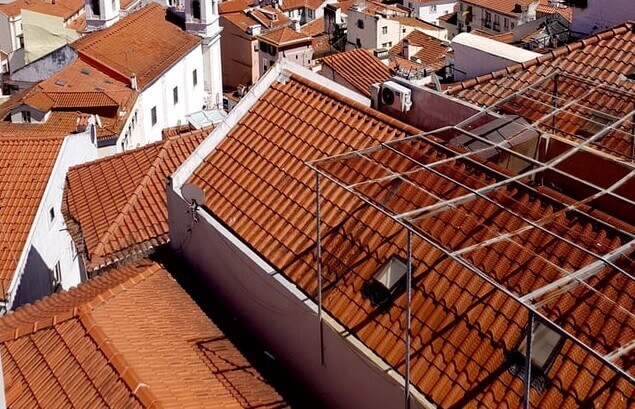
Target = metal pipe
(408,315)
(319,262)
(530,335)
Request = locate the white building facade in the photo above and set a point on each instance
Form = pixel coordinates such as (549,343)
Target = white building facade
(49,259)
(430,11)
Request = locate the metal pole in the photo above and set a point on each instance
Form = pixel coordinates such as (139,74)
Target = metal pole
(530,335)
(319,262)
(408,315)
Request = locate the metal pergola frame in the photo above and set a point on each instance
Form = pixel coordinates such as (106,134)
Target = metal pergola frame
(531,301)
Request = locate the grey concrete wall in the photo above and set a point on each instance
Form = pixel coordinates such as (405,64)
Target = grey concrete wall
(281,316)
(45,66)
(430,109)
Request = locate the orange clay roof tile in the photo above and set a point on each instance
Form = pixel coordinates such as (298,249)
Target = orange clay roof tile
(59,8)
(130,218)
(359,68)
(429,50)
(85,348)
(607,58)
(283,36)
(25,168)
(313,28)
(507,7)
(79,87)
(257,183)
(145,43)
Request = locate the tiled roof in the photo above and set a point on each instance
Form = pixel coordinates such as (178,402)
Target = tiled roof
(90,347)
(546,8)
(145,43)
(450,18)
(313,28)
(78,24)
(359,68)
(78,87)
(508,7)
(232,6)
(321,44)
(415,22)
(606,57)
(506,38)
(283,36)
(264,16)
(25,168)
(116,206)
(59,8)
(432,51)
(288,5)
(463,330)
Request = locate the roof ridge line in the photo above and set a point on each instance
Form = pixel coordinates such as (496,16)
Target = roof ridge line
(29,328)
(132,200)
(116,359)
(390,121)
(132,281)
(585,42)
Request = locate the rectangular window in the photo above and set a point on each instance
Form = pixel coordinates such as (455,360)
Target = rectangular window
(26,116)
(360,24)
(56,278)
(384,30)
(487,22)
(153,115)
(51,215)
(497,22)
(175,95)
(194,78)
(506,23)
(433,8)
(358,43)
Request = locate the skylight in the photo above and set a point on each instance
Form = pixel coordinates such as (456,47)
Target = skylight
(544,344)
(391,272)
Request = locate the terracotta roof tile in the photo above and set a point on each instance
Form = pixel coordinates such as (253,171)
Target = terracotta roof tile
(85,347)
(25,168)
(359,68)
(313,28)
(463,330)
(152,42)
(429,51)
(545,7)
(508,7)
(79,87)
(232,6)
(506,38)
(270,17)
(59,8)
(283,36)
(607,58)
(130,216)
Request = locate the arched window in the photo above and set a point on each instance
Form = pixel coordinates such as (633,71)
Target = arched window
(196,9)
(95,7)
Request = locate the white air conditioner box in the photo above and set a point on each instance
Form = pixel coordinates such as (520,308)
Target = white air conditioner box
(396,96)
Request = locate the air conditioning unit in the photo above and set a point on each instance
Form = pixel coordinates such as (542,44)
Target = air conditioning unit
(396,96)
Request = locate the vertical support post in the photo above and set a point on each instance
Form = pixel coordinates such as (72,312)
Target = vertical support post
(408,316)
(319,261)
(530,336)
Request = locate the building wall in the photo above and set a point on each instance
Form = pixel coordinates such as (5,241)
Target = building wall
(44,67)
(301,54)
(159,95)
(470,62)
(372,34)
(240,60)
(43,34)
(478,18)
(10,32)
(49,241)
(424,10)
(602,14)
(281,317)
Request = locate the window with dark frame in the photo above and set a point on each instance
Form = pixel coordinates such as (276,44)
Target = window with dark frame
(194,78)
(153,115)
(175,95)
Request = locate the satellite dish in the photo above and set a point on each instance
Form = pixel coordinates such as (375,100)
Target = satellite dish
(193,193)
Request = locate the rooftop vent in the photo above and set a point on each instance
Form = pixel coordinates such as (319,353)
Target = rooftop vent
(60,83)
(386,282)
(85,71)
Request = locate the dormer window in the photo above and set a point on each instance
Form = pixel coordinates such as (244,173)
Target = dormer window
(386,282)
(26,116)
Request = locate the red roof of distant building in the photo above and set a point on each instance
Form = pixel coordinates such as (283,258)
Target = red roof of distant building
(359,68)
(146,43)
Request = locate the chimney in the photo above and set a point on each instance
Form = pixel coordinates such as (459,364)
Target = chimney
(406,49)
(133,82)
